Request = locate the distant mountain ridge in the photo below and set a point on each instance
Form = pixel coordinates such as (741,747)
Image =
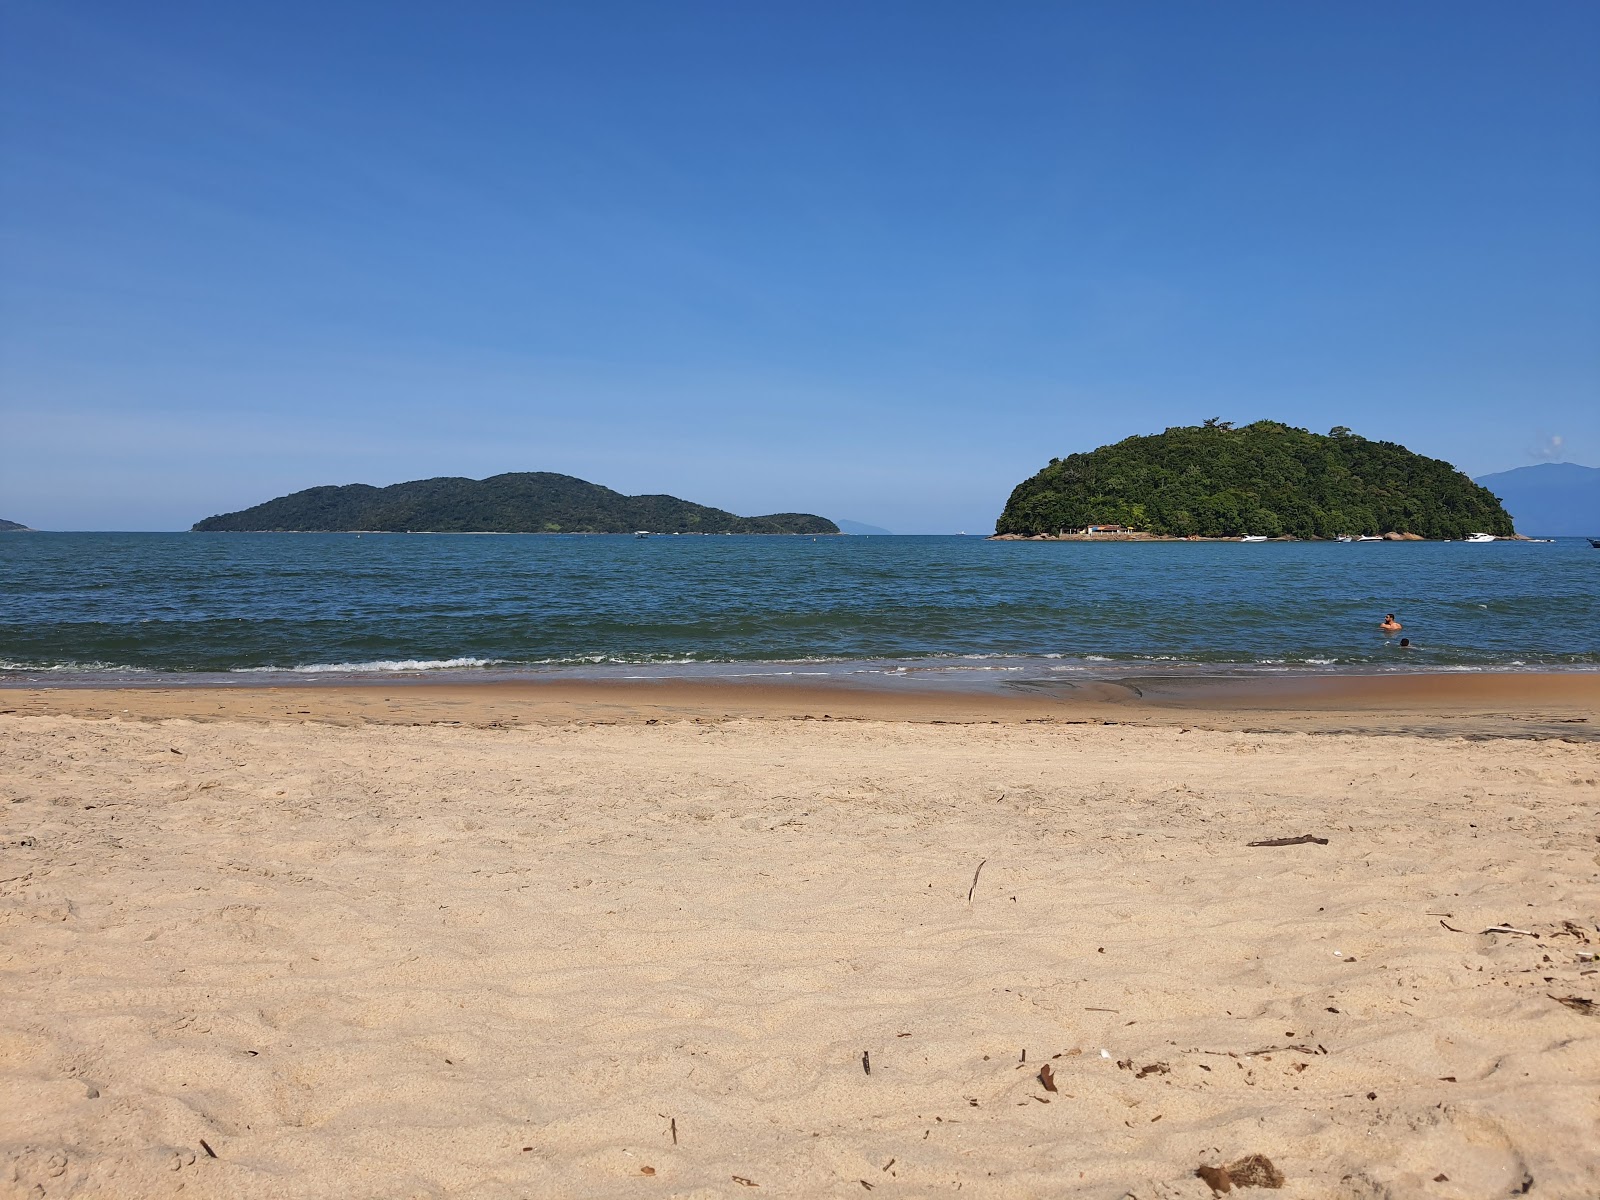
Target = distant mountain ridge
(1550,499)
(861,527)
(517,502)
(13,527)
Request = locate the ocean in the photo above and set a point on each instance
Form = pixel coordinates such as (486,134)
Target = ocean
(187,607)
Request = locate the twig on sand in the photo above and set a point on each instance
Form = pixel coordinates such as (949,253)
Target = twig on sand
(1508,929)
(866,1062)
(1578,1004)
(1305,839)
(974,886)
(210,1153)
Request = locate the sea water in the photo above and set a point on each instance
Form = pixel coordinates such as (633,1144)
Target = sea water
(253,607)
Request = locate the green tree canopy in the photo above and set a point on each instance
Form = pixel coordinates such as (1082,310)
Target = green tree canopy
(519,502)
(1266,478)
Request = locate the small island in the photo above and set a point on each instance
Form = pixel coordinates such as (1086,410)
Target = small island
(13,527)
(1266,479)
(517,502)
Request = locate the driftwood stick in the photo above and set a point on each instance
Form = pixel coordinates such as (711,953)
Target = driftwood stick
(974,886)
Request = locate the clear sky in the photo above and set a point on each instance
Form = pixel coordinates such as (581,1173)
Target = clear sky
(875,260)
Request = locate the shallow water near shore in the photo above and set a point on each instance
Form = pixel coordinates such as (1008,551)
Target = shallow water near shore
(262,607)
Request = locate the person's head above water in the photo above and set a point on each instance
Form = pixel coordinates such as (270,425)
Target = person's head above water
(1405,643)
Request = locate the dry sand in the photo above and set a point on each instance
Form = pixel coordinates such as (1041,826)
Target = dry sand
(378,960)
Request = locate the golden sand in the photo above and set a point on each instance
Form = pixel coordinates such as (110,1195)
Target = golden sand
(556,950)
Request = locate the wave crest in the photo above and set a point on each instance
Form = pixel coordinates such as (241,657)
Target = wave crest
(379,665)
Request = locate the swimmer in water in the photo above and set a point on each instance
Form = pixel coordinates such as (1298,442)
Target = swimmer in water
(1390,625)
(1405,643)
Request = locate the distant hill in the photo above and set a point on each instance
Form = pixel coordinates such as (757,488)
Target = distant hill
(1550,499)
(520,502)
(1266,478)
(859,527)
(13,527)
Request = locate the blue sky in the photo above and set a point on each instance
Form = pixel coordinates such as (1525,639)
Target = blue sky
(879,261)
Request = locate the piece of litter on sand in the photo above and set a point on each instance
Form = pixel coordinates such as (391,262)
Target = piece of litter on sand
(1105,1054)
(1253,1170)
(743,1182)
(1305,839)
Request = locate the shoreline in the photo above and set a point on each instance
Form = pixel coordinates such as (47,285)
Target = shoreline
(1527,704)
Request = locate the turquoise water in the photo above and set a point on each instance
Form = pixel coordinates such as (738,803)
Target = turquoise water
(250,606)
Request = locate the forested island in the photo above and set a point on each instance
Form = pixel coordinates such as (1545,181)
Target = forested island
(1265,479)
(518,502)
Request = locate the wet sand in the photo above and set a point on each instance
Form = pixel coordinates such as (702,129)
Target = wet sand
(510,942)
(1523,704)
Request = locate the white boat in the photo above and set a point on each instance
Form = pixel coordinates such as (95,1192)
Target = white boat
(641,533)
(1253,538)
(1344,537)
(1368,538)
(1480,537)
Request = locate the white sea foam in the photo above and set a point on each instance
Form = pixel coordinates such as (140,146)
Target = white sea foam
(79,667)
(388,664)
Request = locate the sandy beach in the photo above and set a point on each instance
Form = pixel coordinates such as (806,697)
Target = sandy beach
(700,941)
